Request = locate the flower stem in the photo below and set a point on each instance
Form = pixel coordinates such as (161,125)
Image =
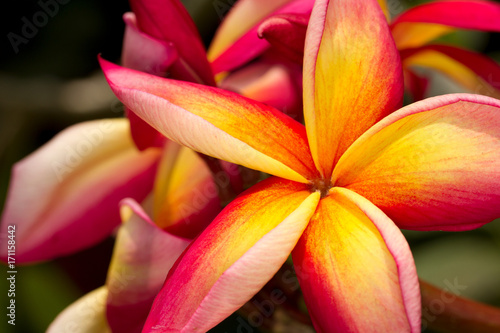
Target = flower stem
(443,311)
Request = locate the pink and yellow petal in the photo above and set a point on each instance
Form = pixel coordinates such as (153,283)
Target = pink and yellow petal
(352,76)
(356,269)
(473,14)
(142,257)
(408,34)
(475,72)
(249,45)
(156,19)
(242,17)
(216,122)
(64,196)
(86,315)
(433,165)
(421,24)
(185,196)
(234,257)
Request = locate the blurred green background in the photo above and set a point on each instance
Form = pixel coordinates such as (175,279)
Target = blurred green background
(54,81)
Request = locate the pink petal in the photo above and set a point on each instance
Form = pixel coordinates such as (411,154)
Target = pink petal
(475,14)
(286,33)
(234,257)
(143,134)
(145,53)
(64,197)
(416,85)
(142,257)
(248,46)
(170,22)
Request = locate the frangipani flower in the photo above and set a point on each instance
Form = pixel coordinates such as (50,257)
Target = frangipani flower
(73,184)
(343,182)
(144,249)
(161,39)
(414,32)
(64,197)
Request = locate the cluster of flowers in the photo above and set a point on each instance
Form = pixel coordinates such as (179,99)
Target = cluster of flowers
(309,92)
